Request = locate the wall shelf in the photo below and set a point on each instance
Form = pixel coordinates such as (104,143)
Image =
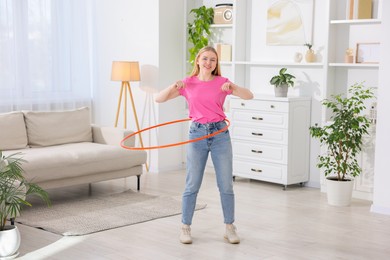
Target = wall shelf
(345,34)
(225,63)
(221,26)
(279,63)
(356,21)
(355,65)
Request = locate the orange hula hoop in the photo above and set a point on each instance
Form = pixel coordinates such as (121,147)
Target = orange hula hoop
(170,145)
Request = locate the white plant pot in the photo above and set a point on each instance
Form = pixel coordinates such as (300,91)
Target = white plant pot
(281,91)
(339,193)
(9,242)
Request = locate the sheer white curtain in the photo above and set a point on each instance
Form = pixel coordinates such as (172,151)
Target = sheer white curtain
(45,54)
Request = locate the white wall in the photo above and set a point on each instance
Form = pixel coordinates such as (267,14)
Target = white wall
(150,32)
(171,59)
(123,32)
(381,198)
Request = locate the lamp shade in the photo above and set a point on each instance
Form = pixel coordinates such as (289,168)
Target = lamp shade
(125,71)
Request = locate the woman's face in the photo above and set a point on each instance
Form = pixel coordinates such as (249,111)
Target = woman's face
(207,62)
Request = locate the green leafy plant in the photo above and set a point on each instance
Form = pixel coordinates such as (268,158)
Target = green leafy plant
(199,30)
(282,78)
(308,45)
(343,136)
(14,188)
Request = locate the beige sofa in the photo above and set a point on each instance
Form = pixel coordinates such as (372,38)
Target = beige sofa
(64,149)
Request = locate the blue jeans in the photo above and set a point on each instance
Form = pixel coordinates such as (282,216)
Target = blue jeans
(197,153)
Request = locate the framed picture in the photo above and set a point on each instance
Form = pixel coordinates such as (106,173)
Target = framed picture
(367,52)
(289,22)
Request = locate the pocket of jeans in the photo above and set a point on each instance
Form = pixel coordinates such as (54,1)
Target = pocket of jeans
(192,129)
(222,126)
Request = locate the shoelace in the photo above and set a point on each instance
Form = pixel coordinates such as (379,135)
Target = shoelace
(186,231)
(232,228)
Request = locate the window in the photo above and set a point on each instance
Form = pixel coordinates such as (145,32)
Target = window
(45,54)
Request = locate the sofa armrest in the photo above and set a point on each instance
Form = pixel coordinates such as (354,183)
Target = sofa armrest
(111,135)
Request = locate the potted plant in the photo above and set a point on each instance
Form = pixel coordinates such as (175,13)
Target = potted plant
(310,56)
(199,30)
(281,82)
(14,189)
(342,139)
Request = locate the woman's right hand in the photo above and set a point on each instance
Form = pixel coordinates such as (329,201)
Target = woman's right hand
(170,92)
(179,84)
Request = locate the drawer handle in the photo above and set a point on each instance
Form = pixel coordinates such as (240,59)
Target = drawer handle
(256,170)
(257,118)
(272,106)
(243,104)
(258,134)
(256,151)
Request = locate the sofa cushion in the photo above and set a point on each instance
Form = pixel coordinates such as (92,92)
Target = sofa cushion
(12,131)
(53,128)
(77,159)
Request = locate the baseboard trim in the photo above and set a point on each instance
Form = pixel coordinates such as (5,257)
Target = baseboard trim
(380,210)
(313,184)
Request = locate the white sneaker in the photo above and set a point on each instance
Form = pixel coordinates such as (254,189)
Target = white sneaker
(231,234)
(185,235)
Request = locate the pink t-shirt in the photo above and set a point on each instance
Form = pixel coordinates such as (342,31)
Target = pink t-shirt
(205,98)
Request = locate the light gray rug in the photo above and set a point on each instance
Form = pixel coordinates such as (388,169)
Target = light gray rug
(89,215)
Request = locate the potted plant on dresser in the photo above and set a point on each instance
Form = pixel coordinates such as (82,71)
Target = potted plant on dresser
(14,189)
(281,82)
(342,140)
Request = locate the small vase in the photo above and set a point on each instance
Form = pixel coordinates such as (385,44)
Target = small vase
(310,56)
(281,91)
(298,57)
(348,59)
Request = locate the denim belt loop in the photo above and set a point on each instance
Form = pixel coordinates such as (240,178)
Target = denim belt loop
(196,124)
(207,125)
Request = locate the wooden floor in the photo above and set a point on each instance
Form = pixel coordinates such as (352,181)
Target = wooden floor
(272,223)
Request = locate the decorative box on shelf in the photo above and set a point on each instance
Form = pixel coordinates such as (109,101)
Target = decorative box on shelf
(270,139)
(224,51)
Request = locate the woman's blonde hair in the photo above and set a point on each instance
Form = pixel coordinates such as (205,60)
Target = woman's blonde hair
(196,69)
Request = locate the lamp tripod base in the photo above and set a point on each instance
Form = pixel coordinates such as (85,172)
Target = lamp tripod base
(123,95)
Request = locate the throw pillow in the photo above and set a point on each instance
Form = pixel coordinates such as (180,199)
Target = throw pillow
(53,128)
(12,131)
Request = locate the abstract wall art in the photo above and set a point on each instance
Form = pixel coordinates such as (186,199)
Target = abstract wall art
(289,22)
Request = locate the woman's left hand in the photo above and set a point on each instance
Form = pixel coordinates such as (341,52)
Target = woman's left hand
(237,91)
(227,86)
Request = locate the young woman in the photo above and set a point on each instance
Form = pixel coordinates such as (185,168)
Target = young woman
(205,91)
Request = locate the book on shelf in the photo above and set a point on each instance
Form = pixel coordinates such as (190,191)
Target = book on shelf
(359,9)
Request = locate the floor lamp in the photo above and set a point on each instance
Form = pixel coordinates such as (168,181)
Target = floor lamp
(126,71)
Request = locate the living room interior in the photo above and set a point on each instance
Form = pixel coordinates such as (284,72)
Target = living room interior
(58,56)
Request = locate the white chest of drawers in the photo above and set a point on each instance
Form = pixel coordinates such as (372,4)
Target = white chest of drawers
(270,138)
